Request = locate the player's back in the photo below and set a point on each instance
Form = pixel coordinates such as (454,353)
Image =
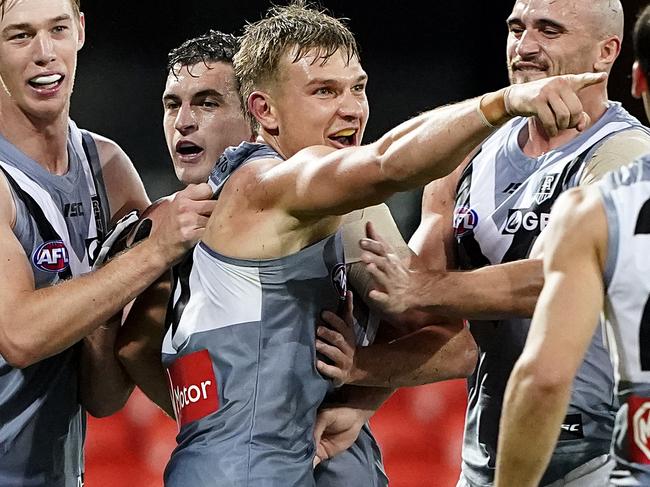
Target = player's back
(626,197)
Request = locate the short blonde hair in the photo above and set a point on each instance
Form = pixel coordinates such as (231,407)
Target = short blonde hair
(297,27)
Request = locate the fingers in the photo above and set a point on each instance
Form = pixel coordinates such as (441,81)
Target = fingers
(584,122)
(334,347)
(197,192)
(580,81)
(332,372)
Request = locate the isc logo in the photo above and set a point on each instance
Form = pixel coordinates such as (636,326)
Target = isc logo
(51,256)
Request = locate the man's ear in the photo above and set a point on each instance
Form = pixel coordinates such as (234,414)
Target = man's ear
(81,37)
(260,106)
(639,80)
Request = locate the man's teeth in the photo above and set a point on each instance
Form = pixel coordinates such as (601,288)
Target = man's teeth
(46,80)
(345,133)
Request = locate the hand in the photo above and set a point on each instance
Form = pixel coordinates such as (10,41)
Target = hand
(336,430)
(182,221)
(393,280)
(554,101)
(338,344)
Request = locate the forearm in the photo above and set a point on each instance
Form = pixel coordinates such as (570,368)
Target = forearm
(104,385)
(366,400)
(431,354)
(530,411)
(492,292)
(32,331)
(139,343)
(433,144)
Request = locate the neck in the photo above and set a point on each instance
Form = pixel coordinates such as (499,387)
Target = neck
(535,142)
(43,140)
(265,137)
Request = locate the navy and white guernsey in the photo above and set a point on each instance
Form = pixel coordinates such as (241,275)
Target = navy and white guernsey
(58,219)
(503,202)
(240,355)
(626,197)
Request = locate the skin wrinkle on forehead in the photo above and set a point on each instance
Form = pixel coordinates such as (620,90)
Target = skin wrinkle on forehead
(599,18)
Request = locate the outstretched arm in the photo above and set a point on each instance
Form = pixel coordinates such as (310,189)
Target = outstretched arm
(424,148)
(540,385)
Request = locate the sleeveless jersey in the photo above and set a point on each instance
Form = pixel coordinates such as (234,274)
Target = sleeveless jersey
(503,202)
(240,356)
(626,198)
(58,222)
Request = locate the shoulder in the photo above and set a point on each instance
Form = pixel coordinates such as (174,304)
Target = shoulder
(616,151)
(110,153)
(578,222)
(123,184)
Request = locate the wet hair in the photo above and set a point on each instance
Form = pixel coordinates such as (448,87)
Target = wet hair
(213,46)
(298,28)
(76,6)
(641,39)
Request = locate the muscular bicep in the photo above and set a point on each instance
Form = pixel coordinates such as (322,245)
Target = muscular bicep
(123,184)
(320,181)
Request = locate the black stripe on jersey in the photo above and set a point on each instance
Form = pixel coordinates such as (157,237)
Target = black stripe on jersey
(523,240)
(45,228)
(643,221)
(180,278)
(468,251)
(644,338)
(101,208)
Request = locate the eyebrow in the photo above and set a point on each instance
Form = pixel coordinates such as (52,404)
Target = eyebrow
(26,25)
(208,92)
(538,23)
(328,81)
(199,94)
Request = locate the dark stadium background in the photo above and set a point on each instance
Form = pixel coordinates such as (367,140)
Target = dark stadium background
(418,55)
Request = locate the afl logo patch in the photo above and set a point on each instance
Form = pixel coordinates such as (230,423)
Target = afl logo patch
(339,280)
(51,256)
(465,219)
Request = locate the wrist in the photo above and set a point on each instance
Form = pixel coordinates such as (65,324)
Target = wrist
(494,107)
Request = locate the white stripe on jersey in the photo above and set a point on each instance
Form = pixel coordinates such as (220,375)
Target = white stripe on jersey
(54,216)
(221,295)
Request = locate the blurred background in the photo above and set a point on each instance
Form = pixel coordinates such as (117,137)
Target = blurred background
(418,56)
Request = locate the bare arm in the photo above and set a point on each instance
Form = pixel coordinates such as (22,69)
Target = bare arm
(104,385)
(424,148)
(30,332)
(140,341)
(438,349)
(540,385)
(428,285)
